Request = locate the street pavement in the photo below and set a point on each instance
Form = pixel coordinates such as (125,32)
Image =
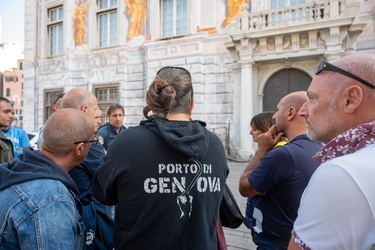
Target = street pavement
(239,238)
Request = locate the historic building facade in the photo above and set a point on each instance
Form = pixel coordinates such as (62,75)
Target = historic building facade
(243,56)
(12,85)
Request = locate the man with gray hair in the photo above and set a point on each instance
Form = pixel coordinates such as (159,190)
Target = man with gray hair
(338,206)
(39,209)
(98,218)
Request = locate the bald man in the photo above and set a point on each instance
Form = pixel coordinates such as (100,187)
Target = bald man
(37,196)
(56,102)
(98,218)
(338,206)
(279,175)
(81,99)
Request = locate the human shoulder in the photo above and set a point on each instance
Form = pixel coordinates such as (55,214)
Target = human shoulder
(3,137)
(276,160)
(333,191)
(54,190)
(302,142)
(103,127)
(19,130)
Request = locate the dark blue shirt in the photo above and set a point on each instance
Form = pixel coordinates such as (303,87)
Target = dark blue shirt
(282,175)
(109,133)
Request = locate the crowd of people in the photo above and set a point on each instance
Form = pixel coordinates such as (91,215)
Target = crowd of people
(159,185)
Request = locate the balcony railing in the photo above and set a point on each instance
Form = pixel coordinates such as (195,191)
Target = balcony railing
(311,12)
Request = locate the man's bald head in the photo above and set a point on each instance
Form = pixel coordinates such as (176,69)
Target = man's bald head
(81,99)
(286,116)
(65,127)
(295,99)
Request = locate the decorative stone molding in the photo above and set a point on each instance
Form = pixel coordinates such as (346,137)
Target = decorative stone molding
(325,27)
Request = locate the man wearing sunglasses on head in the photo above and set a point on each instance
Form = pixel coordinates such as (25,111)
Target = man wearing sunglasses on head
(337,209)
(56,104)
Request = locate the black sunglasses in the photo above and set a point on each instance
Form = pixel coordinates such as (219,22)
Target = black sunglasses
(58,97)
(327,66)
(170,67)
(93,142)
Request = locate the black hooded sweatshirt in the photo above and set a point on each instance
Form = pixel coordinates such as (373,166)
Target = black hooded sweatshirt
(167,178)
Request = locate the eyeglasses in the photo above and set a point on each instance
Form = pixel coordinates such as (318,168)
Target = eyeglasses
(59,97)
(170,67)
(93,142)
(327,66)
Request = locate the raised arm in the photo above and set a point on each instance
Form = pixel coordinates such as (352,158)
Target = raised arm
(266,142)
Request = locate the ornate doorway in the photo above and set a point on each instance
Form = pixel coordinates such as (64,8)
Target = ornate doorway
(283,83)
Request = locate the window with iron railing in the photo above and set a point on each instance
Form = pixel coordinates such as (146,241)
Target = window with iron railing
(107,94)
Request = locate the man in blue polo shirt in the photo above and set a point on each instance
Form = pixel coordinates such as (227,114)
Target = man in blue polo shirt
(280,175)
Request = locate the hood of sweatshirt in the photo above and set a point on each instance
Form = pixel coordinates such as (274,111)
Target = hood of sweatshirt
(32,165)
(188,137)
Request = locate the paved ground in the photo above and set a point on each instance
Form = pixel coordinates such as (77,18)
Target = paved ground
(238,238)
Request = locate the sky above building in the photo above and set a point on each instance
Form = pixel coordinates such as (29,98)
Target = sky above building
(12,13)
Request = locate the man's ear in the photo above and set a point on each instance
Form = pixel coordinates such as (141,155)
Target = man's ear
(291,113)
(84,108)
(79,148)
(353,97)
(55,107)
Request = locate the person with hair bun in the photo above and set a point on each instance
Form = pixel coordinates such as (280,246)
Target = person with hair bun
(167,174)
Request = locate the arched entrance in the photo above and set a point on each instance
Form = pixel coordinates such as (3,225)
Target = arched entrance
(283,83)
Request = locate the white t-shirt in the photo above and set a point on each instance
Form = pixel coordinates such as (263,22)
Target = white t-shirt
(337,209)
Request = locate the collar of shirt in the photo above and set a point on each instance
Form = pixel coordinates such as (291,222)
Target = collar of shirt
(114,130)
(348,142)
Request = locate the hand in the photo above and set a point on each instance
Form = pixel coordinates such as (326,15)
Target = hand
(268,140)
(19,149)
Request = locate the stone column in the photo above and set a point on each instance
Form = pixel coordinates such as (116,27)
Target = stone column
(247,103)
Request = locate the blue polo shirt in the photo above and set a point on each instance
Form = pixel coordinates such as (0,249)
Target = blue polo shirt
(282,175)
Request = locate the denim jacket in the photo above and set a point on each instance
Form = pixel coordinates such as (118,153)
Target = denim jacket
(40,220)
(38,207)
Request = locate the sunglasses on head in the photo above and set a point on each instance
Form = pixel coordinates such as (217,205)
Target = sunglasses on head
(59,97)
(174,68)
(327,66)
(183,70)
